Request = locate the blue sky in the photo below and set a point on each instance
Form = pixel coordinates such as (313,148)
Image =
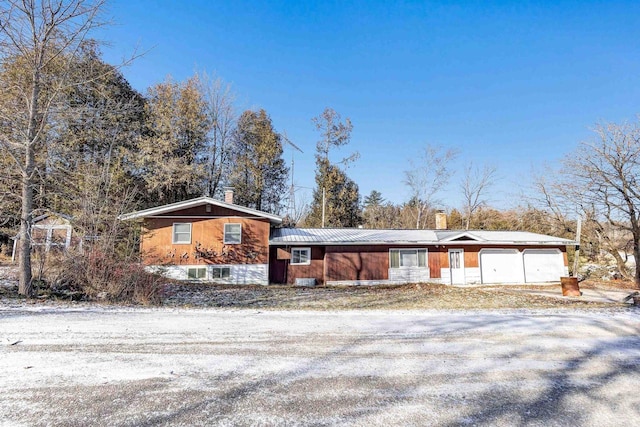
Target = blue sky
(512,84)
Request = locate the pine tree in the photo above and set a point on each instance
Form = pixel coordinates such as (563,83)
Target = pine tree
(173,151)
(258,172)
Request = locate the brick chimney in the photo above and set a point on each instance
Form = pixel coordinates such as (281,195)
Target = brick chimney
(441,220)
(228,195)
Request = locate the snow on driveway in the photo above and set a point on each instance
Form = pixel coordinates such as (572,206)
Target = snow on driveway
(97,366)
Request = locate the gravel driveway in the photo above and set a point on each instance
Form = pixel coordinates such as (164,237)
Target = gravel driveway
(99,366)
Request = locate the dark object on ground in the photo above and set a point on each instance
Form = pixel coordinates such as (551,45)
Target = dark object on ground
(635,296)
(570,287)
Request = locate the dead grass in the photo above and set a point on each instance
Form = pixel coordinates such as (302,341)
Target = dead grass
(404,297)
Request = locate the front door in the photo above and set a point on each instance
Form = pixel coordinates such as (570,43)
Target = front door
(456,266)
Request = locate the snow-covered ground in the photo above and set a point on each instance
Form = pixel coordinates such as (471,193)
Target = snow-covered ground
(101,366)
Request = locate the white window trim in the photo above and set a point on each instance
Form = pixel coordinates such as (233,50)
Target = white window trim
(48,243)
(206,273)
(224,239)
(410,249)
(308,262)
(221,267)
(173,233)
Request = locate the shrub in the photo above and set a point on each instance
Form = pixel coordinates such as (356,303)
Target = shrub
(96,275)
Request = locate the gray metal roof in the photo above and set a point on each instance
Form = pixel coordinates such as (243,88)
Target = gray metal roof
(357,236)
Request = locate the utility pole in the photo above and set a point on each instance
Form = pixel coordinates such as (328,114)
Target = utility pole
(577,253)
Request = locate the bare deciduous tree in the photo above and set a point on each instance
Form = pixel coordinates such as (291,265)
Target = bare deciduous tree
(42,38)
(222,116)
(475,184)
(428,175)
(600,182)
(605,180)
(334,133)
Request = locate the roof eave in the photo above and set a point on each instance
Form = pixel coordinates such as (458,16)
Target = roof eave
(197,202)
(433,243)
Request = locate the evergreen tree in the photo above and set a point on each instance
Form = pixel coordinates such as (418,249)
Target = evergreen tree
(173,151)
(258,172)
(374,199)
(373,210)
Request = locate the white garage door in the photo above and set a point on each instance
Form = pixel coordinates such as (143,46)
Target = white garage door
(501,266)
(543,265)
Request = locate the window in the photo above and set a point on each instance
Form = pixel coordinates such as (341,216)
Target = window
(232,234)
(300,256)
(454,259)
(181,233)
(220,272)
(403,258)
(197,273)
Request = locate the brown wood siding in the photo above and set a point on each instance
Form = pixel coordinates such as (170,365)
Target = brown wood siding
(434,263)
(357,263)
(157,247)
(471,257)
(216,211)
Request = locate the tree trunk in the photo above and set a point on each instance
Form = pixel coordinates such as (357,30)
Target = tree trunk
(622,267)
(25,286)
(24,238)
(636,257)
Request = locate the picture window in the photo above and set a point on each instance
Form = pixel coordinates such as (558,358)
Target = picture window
(407,258)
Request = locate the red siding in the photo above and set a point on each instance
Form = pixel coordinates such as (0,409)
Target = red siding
(357,263)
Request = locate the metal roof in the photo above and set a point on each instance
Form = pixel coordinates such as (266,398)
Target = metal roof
(199,201)
(357,236)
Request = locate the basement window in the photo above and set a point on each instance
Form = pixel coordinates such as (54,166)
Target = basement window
(220,272)
(181,233)
(407,258)
(232,234)
(197,273)
(300,256)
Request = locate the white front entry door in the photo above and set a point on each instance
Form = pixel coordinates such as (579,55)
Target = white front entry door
(456,266)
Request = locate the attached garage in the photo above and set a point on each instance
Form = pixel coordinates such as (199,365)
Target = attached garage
(501,266)
(543,265)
